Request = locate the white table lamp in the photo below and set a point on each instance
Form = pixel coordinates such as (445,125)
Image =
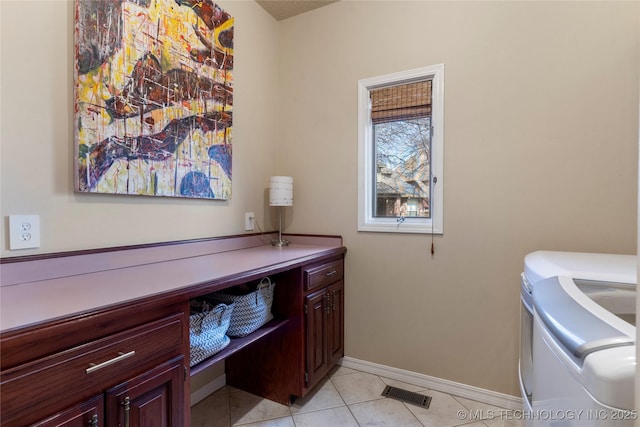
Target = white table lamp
(280,194)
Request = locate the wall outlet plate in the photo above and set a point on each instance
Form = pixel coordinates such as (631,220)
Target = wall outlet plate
(24,231)
(249,218)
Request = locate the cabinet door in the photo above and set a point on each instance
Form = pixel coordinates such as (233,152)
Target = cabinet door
(87,414)
(335,337)
(153,399)
(316,308)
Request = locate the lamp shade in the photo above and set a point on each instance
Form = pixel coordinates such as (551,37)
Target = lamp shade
(281,191)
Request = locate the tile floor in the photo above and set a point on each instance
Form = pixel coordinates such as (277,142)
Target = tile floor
(347,398)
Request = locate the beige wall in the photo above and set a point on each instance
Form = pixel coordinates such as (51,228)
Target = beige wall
(541,135)
(541,131)
(36,134)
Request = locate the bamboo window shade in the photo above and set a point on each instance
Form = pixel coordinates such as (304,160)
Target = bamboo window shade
(401,102)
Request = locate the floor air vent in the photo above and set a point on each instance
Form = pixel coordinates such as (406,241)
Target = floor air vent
(407,396)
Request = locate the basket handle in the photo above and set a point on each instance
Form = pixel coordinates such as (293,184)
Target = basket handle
(224,308)
(265,282)
(204,306)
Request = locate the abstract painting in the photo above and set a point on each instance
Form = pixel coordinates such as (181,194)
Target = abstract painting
(153,98)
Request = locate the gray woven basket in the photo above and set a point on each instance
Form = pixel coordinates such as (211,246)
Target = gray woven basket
(207,332)
(251,310)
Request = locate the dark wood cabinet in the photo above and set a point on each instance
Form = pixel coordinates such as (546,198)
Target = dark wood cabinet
(126,363)
(316,330)
(86,414)
(149,400)
(133,359)
(152,399)
(335,338)
(308,345)
(324,320)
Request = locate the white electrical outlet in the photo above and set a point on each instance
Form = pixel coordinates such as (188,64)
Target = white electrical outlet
(24,231)
(249,217)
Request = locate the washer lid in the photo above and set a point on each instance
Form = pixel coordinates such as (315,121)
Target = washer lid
(541,265)
(581,330)
(609,376)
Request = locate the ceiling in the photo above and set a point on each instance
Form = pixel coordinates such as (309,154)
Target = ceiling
(283,9)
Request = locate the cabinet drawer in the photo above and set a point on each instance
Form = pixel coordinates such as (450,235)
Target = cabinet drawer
(323,274)
(75,374)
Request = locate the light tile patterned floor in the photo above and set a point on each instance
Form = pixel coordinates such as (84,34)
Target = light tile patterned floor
(346,398)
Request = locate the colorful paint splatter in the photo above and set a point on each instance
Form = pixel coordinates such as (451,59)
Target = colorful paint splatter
(153,98)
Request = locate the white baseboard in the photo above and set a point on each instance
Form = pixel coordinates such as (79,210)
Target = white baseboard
(202,393)
(489,397)
(451,387)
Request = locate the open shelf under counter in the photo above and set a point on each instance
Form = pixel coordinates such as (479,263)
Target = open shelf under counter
(238,344)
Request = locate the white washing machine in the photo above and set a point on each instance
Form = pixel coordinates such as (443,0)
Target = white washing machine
(541,265)
(584,353)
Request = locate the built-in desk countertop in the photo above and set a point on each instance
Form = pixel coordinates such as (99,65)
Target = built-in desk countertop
(41,290)
(103,333)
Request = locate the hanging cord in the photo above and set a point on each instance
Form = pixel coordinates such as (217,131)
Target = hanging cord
(259,228)
(433,247)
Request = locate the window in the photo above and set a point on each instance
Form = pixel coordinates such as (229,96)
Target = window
(400,151)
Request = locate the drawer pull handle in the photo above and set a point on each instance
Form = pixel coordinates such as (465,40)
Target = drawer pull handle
(331,273)
(93,367)
(94,421)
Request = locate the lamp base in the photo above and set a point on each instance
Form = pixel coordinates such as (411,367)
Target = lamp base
(280,243)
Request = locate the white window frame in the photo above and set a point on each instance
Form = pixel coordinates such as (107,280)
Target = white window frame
(366,155)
